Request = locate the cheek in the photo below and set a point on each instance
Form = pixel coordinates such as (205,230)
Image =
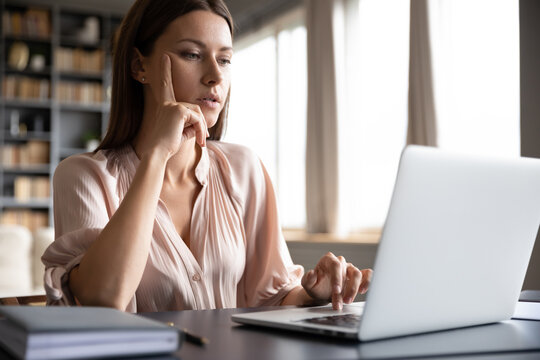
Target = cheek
(183,90)
(183,81)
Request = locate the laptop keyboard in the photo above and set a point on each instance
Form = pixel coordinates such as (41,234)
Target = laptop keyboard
(346,320)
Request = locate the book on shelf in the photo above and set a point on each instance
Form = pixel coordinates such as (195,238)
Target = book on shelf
(80,92)
(33,22)
(33,220)
(58,332)
(27,188)
(79,61)
(38,152)
(33,152)
(25,88)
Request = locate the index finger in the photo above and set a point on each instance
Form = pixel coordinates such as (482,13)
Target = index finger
(167,91)
(336,280)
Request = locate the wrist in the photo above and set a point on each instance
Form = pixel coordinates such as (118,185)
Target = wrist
(311,301)
(156,155)
(299,296)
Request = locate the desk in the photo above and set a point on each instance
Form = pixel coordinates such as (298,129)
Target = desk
(229,340)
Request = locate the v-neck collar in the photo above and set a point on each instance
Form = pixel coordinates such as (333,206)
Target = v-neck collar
(163,216)
(201,170)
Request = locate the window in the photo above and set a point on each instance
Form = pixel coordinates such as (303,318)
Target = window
(374,130)
(475,53)
(476,75)
(268,108)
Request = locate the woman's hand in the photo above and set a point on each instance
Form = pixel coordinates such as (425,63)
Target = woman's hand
(175,121)
(336,280)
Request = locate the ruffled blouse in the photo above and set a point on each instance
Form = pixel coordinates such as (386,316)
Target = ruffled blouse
(237,255)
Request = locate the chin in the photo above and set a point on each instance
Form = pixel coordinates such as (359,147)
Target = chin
(211,120)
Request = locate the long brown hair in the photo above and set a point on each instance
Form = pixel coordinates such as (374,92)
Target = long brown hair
(143,24)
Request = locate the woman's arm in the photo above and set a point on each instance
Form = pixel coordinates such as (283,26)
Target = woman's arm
(110,271)
(299,296)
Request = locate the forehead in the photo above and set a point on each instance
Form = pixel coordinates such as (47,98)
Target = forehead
(201,25)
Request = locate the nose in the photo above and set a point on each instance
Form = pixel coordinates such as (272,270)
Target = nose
(213,74)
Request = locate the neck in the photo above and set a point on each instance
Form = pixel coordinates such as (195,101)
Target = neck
(181,166)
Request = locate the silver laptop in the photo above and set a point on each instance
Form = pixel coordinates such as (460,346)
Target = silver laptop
(454,251)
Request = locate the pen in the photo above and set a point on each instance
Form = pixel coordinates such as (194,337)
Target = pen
(195,339)
(192,338)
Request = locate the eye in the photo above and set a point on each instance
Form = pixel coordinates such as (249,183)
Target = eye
(190,55)
(224,61)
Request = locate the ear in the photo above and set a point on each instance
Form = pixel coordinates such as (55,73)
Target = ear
(137,65)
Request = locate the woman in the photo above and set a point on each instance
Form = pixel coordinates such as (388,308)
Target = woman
(155,219)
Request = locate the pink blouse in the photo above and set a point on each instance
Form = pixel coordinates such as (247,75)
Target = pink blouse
(238,257)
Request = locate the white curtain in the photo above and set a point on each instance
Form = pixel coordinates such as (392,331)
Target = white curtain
(322,117)
(422,128)
(374,127)
(357,110)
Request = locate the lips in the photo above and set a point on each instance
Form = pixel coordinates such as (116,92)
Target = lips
(210,101)
(210,97)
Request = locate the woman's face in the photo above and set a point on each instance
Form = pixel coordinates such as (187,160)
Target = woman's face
(199,45)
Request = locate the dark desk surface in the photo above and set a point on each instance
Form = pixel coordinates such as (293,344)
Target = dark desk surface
(514,339)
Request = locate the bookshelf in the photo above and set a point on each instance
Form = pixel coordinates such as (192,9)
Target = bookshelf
(55,72)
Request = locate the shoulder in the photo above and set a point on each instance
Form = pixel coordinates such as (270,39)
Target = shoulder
(241,168)
(236,161)
(87,166)
(238,156)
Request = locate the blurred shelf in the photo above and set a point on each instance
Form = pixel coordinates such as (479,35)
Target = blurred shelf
(79,75)
(45,72)
(91,107)
(74,42)
(30,135)
(44,169)
(11,202)
(27,103)
(26,38)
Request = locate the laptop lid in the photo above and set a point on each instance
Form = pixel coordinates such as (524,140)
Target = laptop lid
(456,243)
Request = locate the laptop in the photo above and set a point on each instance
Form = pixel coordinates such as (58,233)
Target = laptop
(453,253)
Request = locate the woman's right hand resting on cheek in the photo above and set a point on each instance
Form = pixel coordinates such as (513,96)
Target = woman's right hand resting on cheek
(175,121)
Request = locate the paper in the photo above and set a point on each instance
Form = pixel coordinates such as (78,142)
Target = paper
(527,311)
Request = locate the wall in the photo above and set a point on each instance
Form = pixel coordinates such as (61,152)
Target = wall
(248,15)
(529,13)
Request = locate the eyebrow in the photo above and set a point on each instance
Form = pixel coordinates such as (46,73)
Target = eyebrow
(203,45)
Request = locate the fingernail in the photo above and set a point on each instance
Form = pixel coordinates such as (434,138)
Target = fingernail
(337,289)
(347,300)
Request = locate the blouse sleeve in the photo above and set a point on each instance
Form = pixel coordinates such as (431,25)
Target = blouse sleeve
(81,211)
(269,273)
